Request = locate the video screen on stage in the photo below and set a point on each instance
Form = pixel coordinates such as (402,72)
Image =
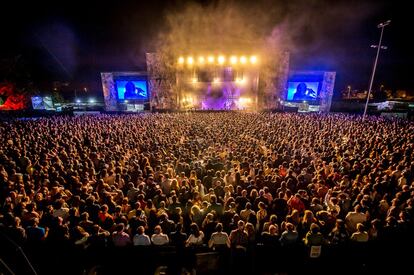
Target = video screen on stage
(302,91)
(132,89)
(42,103)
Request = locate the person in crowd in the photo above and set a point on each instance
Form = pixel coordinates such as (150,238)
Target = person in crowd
(314,237)
(159,238)
(196,237)
(219,238)
(239,238)
(16,231)
(119,237)
(246,212)
(360,235)
(178,238)
(290,236)
(339,235)
(353,218)
(271,237)
(36,233)
(141,239)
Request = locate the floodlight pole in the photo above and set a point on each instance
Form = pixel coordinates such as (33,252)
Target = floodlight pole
(381,25)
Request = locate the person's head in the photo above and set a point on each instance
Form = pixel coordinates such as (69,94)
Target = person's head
(360,227)
(315,201)
(163,217)
(140,230)
(273,219)
(314,228)
(273,229)
(240,225)
(290,227)
(129,87)
(30,207)
(179,227)
(301,88)
(158,229)
(35,222)
(249,228)
(16,221)
(375,224)
(195,210)
(104,208)
(262,206)
(219,227)
(213,199)
(120,227)
(308,216)
(340,224)
(194,229)
(95,229)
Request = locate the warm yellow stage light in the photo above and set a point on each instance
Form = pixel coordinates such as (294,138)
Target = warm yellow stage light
(245,100)
(216,80)
(221,59)
(233,59)
(201,60)
(194,80)
(181,60)
(253,59)
(240,80)
(210,59)
(190,60)
(243,60)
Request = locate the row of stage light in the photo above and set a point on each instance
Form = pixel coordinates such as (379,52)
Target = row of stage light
(221,60)
(217,80)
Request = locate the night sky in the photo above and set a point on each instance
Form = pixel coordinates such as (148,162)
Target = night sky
(75,41)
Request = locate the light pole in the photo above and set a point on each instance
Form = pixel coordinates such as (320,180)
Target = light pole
(381,25)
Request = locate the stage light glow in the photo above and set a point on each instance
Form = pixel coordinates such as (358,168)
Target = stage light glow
(181,60)
(243,60)
(240,80)
(126,101)
(91,100)
(194,80)
(233,59)
(244,101)
(78,101)
(210,59)
(190,60)
(188,101)
(221,59)
(253,59)
(216,80)
(201,60)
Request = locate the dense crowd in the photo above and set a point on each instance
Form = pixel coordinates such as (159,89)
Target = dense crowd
(217,180)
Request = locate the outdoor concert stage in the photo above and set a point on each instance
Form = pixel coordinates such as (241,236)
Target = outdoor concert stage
(218,82)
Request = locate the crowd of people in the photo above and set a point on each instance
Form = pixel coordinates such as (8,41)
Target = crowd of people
(216,180)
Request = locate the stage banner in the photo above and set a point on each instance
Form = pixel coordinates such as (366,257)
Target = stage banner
(109,91)
(161,81)
(326,92)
